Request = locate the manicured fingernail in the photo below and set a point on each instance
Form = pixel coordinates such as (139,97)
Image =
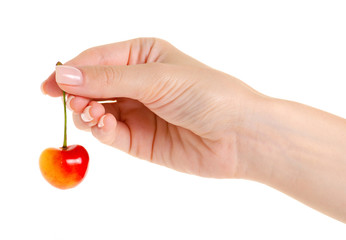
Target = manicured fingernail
(68,75)
(86,117)
(101,123)
(68,102)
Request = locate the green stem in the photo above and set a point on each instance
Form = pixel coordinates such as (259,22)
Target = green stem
(64,146)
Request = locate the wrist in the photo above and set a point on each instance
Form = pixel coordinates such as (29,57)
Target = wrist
(268,139)
(255,141)
(271,138)
(298,150)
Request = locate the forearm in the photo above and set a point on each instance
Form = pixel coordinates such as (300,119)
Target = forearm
(298,150)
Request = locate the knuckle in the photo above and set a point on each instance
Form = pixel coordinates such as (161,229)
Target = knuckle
(79,123)
(161,81)
(110,75)
(158,41)
(146,40)
(106,139)
(161,43)
(93,52)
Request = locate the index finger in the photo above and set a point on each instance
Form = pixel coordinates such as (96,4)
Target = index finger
(130,52)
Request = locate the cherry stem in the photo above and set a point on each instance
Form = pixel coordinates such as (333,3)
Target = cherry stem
(64,146)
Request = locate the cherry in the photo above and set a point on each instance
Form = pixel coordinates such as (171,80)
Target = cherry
(64,167)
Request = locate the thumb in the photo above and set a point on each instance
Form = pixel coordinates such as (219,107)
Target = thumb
(105,82)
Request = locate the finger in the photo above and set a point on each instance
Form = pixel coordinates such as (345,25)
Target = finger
(76,103)
(90,116)
(135,51)
(112,132)
(112,108)
(79,123)
(105,82)
(50,87)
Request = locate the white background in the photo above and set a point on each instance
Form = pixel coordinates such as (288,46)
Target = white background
(288,49)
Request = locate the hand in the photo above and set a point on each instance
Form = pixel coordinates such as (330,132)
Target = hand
(170,109)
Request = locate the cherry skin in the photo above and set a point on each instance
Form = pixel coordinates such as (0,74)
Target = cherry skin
(64,167)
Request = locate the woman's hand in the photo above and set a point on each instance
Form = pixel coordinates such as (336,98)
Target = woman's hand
(170,109)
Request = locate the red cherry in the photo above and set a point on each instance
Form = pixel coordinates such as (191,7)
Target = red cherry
(64,167)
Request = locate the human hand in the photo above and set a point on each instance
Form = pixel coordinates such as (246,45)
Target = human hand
(170,109)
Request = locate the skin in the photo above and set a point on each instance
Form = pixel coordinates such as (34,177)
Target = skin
(174,111)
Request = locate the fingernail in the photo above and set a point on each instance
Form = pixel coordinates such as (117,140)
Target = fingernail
(68,102)
(86,117)
(101,123)
(68,75)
